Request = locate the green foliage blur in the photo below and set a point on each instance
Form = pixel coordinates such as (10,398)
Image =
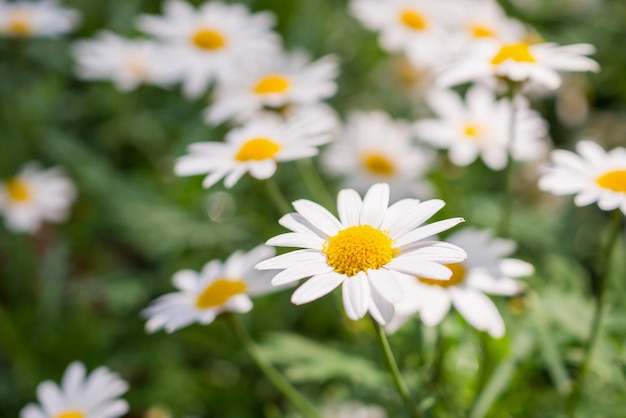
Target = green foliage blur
(74,291)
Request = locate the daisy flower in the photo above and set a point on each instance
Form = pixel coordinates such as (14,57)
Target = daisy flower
(213,41)
(366,250)
(218,287)
(80,395)
(284,83)
(481,20)
(128,63)
(374,148)
(486,270)
(592,174)
(255,148)
(518,62)
(480,127)
(414,27)
(36,18)
(34,196)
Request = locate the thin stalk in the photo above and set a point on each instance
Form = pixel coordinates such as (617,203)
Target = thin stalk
(315,183)
(277,196)
(577,387)
(509,171)
(278,380)
(392,366)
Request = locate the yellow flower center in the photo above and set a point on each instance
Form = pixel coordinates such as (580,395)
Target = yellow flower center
(472,131)
(613,180)
(481,31)
(135,66)
(272,84)
(219,292)
(458,275)
(20,23)
(257,149)
(208,39)
(413,20)
(358,248)
(378,164)
(18,190)
(519,52)
(70,414)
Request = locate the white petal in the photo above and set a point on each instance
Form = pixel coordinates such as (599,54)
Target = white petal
(300,271)
(425,269)
(186,280)
(479,311)
(436,307)
(73,377)
(386,283)
(318,216)
(290,259)
(316,287)
(296,239)
(380,308)
(355,293)
(349,205)
(408,214)
(375,204)
(427,231)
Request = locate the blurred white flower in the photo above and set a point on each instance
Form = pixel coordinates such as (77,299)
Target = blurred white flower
(486,270)
(593,175)
(418,28)
(80,395)
(480,127)
(36,18)
(127,63)
(518,62)
(353,410)
(286,82)
(365,250)
(214,41)
(34,196)
(374,148)
(255,148)
(219,287)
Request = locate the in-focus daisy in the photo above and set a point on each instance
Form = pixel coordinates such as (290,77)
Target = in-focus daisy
(518,62)
(34,196)
(218,287)
(416,27)
(486,270)
(213,41)
(480,127)
(254,148)
(481,20)
(80,395)
(592,174)
(287,82)
(366,250)
(374,148)
(36,18)
(128,63)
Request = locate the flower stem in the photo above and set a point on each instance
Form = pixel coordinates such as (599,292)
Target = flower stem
(392,366)
(315,183)
(277,196)
(509,171)
(297,400)
(577,387)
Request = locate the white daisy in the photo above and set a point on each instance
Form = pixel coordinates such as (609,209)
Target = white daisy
(480,127)
(219,287)
(518,62)
(416,27)
(36,18)
(365,251)
(34,196)
(593,175)
(374,148)
(284,83)
(353,410)
(486,270)
(481,20)
(80,395)
(128,63)
(255,148)
(213,41)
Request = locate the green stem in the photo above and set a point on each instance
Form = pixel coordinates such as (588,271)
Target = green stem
(577,388)
(315,183)
(300,402)
(509,171)
(392,366)
(277,196)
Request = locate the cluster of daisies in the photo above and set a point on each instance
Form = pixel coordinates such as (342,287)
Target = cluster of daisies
(379,248)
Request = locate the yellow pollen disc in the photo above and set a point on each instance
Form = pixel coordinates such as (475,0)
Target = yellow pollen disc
(272,84)
(413,20)
(70,414)
(20,24)
(359,248)
(208,39)
(219,292)
(481,31)
(472,131)
(613,180)
(257,149)
(18,190)
(458,275)
(378,164)
(519,52)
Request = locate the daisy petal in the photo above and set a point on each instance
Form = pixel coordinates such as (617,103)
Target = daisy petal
(316,287)
(318,216)
(375,204)
(349,206)
(427,231)
(355,293)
